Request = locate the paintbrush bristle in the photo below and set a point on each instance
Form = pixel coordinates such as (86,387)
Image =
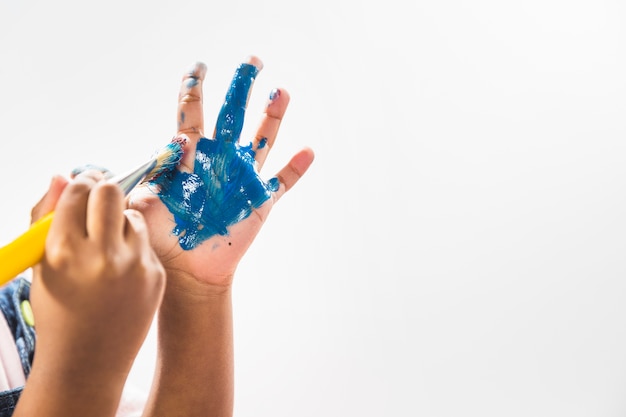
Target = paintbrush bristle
(167,158)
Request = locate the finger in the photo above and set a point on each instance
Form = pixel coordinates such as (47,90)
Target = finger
(190,119)
(230,119)
(83,168)
(270,123)
(137,238)
(49,201)
(105,214)
(293,171)
(135,230)
(71,210)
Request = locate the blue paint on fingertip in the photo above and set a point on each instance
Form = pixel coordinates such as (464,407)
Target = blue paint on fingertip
(273,184)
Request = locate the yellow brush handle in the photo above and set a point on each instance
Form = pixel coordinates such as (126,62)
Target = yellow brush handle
(25,251)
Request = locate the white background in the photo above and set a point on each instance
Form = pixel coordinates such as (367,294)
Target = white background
(457,247)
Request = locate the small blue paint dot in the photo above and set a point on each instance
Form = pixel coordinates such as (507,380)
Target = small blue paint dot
(273,184)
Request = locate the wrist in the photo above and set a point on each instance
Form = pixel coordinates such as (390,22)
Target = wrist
(195,345)
(189,304)
(184,285)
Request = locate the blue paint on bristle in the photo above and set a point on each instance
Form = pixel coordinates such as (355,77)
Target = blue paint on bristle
(173,154)
(224,187)
(168,158)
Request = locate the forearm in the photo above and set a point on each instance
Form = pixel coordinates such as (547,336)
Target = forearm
(70,391)
(194,370)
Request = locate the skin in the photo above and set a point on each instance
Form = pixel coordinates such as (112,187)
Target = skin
(194,371)
(103,278)
(99,270)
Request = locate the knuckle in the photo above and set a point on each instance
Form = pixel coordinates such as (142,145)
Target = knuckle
(108,190)
(189,98)
(136,219)
(79,187)
(107,265)
(61,255)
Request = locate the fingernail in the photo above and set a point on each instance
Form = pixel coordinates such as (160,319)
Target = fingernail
(274,94)
(254,60)
(197,70)
(79,170)
(181,139)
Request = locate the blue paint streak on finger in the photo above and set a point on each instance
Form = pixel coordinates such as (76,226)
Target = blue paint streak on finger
(230,120)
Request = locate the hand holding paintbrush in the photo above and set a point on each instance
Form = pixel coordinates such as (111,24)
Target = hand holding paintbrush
(28,249)
(93,297)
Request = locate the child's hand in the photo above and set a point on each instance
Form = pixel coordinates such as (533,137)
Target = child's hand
(209,212)
(94,296)
(202,221)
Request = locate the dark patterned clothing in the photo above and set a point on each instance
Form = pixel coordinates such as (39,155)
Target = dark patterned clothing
(11,297)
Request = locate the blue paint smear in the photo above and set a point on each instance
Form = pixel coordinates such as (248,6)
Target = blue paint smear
(224,187)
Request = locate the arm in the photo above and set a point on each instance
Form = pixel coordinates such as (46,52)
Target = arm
(201,237)
(93,297)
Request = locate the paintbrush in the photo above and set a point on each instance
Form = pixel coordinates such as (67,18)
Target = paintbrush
(28,248)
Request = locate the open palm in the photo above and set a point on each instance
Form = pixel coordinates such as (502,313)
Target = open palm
(204,215)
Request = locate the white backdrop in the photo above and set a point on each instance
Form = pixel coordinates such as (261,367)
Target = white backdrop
(457,247)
